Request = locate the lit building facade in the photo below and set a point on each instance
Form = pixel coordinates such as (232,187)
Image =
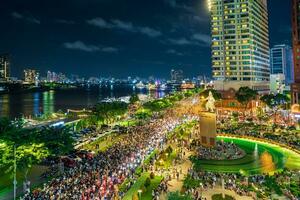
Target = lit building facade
(176,75)
(31,76)
(277,83)
(282,62)
(4,67)
(296,51)
(240,44)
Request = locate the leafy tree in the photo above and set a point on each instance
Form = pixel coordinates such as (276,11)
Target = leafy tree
(134,98)
(26,156)
(158,105)
(190,183)
(178,196)
(147,182)
(220,197)
(143,114)
(5,125)
(175,97)
(245,95)
(108,111)
(275,102)
(58,141)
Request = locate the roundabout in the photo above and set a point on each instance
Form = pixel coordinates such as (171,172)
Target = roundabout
(260,158)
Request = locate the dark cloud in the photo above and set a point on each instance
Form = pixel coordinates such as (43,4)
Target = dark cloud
(29,19)
(126,26)
(181,41)
(79,45)
(63,21)
(197,39)
(203,38)
(174,52)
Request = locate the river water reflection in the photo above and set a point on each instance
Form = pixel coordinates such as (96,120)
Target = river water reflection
(36,103)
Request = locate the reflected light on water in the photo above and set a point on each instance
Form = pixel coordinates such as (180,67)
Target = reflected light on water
(36,103)
(48,102)
(267,163)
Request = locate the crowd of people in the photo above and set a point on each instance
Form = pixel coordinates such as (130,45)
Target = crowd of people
(235,182)
(281,135)
(99,178)
(222,151)
(163,187)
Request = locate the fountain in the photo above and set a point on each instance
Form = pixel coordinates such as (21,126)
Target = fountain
(255,152)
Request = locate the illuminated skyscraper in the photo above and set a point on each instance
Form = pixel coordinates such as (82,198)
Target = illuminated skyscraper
(176,75)
(282,62)
(240,44)
(296,51)
(4,67)
(31,76)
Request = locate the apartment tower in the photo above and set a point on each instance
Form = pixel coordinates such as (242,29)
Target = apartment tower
(240,44)
(296,51)
(4,67)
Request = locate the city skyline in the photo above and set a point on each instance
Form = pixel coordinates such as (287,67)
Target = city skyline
(131,38)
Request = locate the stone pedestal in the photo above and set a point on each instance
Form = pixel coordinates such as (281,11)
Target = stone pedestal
(208,129)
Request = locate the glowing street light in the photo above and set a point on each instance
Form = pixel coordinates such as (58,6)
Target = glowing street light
(140,194)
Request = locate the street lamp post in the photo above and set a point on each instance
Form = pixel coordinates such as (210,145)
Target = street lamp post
(15,174)
(140,194)
(201,188)
(223,188)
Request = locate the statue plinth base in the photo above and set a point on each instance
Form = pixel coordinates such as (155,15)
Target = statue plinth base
(208,129)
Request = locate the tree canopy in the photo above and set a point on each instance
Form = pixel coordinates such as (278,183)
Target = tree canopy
(178,196)
(245,94)
(108,111)
(32,145)
(273,101)
(134,98)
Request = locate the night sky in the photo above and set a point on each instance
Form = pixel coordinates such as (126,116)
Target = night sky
(117,37)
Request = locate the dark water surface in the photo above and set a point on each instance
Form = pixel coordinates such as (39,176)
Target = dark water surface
(36,103)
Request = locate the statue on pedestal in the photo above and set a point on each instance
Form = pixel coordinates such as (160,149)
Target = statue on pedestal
(207,122)
(210,104)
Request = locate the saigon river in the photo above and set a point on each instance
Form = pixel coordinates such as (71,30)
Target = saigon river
(30,104)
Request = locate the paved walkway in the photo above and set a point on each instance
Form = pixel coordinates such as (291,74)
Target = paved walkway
(174,184)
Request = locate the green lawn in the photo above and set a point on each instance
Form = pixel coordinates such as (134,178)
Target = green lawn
(139,184)
(6,180)
(104,143)
(220,197)
(128,123)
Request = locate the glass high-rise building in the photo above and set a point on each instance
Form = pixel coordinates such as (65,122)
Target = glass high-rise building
(4,67)
(282,62)
(296,50)
(240,44)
